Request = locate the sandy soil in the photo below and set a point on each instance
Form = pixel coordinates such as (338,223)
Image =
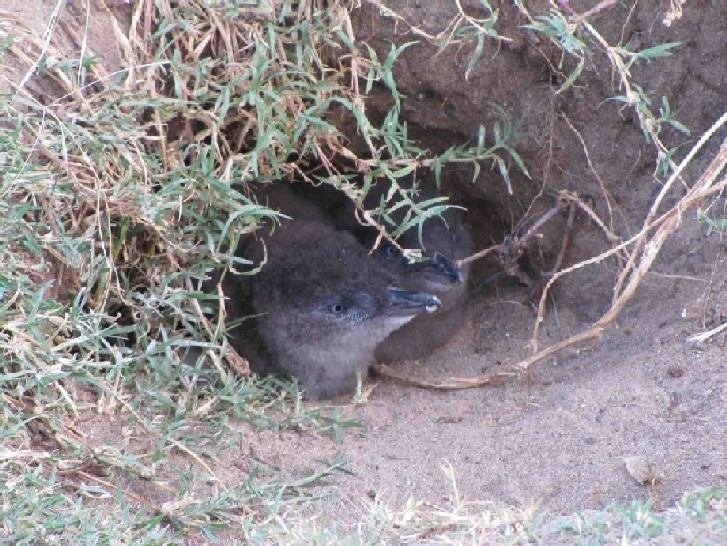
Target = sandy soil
(558,436)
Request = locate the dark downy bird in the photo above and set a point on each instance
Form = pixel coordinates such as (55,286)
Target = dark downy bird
(444,240)
(321,305)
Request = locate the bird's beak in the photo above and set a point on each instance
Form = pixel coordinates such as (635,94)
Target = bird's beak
(446,268)
(440,267)
(404,302)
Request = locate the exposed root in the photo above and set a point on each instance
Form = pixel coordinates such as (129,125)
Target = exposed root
(455,383)
(644,248)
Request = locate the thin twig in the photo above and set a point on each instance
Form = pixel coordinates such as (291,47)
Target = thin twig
(704,336)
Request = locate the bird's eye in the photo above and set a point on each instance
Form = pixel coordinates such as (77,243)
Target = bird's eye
(337,308)
(389,251)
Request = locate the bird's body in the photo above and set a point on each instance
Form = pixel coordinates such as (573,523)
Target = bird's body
(444,240)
